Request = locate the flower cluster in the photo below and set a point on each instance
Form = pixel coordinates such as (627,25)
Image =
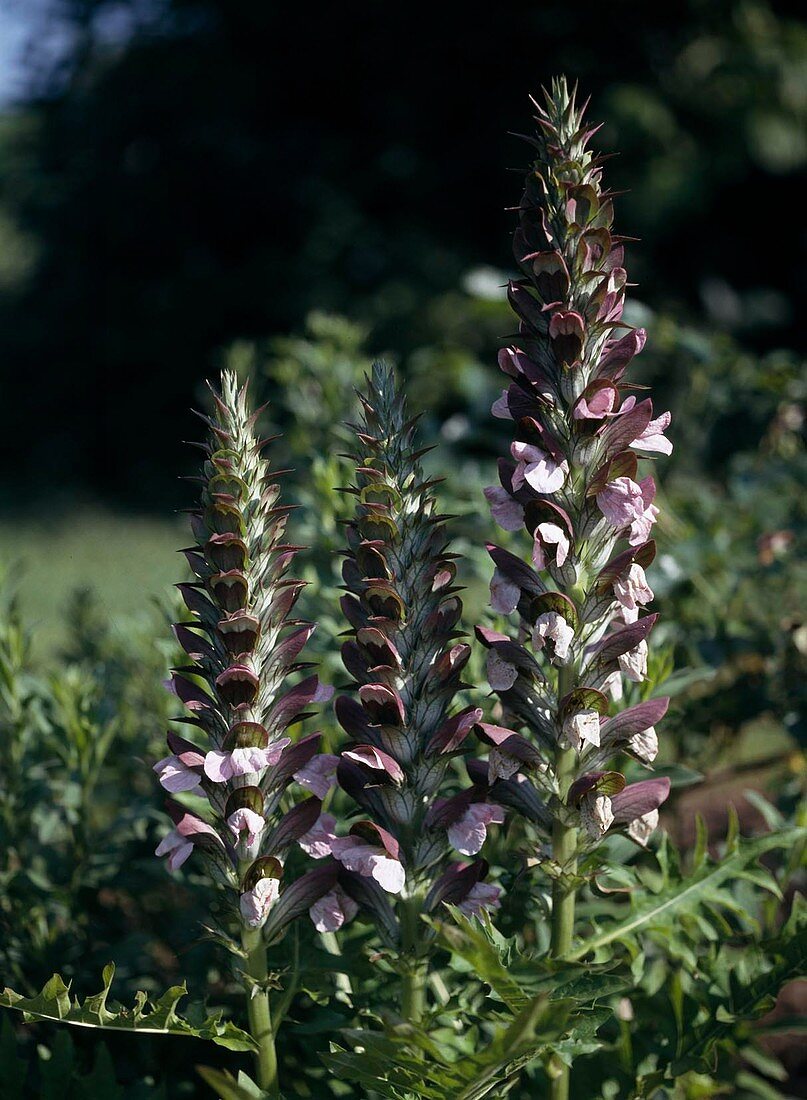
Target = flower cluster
(406,658)
(571,481)
(263,792)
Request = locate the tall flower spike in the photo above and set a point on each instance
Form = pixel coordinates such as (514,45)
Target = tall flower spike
(242,643)
(406,658)
(571,482)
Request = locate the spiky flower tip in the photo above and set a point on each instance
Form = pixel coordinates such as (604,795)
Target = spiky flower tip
(242,644)
(571,481)
(406,658)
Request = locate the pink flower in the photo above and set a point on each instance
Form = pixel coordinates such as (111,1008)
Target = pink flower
(644,745)
(582,726)
(501,674)
(480,897)
(246,827)
(500,408)
(180,773)
(626,504)
(468,834)
(549,533)
(371,861)
(317,841)
(221,765)
(632,592)
(641,828)
(176,847)
(507,512)
(319,774)
(256,903)
(373,759)
(653,437)
(333,910)
(596,814)
(504,594)
(538,468)
(634,662)
(552,627)
(598,406)
(612,685)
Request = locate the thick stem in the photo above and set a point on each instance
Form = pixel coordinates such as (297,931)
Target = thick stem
(564,845)
(413,981)
(259,1012)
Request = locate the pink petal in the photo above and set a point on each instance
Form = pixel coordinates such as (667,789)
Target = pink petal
(653,437)
(174,775)
(333,910)
(317,842)
(480,897)
(500,408)
(468,834)
(319,774)
(256,903)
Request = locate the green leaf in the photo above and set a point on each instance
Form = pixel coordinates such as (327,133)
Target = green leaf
(738,995)
(55,1003)
(403,1062)
(228,1087)
(700,896)
(515,977)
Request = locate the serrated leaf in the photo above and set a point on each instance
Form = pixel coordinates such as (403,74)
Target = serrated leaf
(704,891)
(402,1061)
(160,1017)
(780,960)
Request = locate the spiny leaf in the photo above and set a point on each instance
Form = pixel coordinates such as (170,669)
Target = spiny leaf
(740,997)
(703,893)
(55,1003)
(402,1062)
(517,978)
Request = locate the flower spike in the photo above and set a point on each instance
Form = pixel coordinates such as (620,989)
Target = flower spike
(407,658)
(243,643)
(571,482)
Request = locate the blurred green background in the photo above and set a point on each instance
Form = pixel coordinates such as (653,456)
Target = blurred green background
(294,190)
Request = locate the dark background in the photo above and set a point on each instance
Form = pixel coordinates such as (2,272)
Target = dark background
(177,175)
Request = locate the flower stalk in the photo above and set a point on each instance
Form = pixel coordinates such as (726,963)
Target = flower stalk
(406,659)
(259,1012)
(571,481)
(253,778)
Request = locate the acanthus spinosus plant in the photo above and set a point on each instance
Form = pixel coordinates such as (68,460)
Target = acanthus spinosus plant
(406,658)
(384,844)
(243,643)
(572,482)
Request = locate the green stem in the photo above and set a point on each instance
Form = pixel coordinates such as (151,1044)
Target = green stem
(259,1012)
(413,981)
(564,845)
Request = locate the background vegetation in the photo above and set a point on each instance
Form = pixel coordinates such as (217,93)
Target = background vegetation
(294,191)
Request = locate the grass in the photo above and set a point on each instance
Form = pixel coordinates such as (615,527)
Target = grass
(127,560)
